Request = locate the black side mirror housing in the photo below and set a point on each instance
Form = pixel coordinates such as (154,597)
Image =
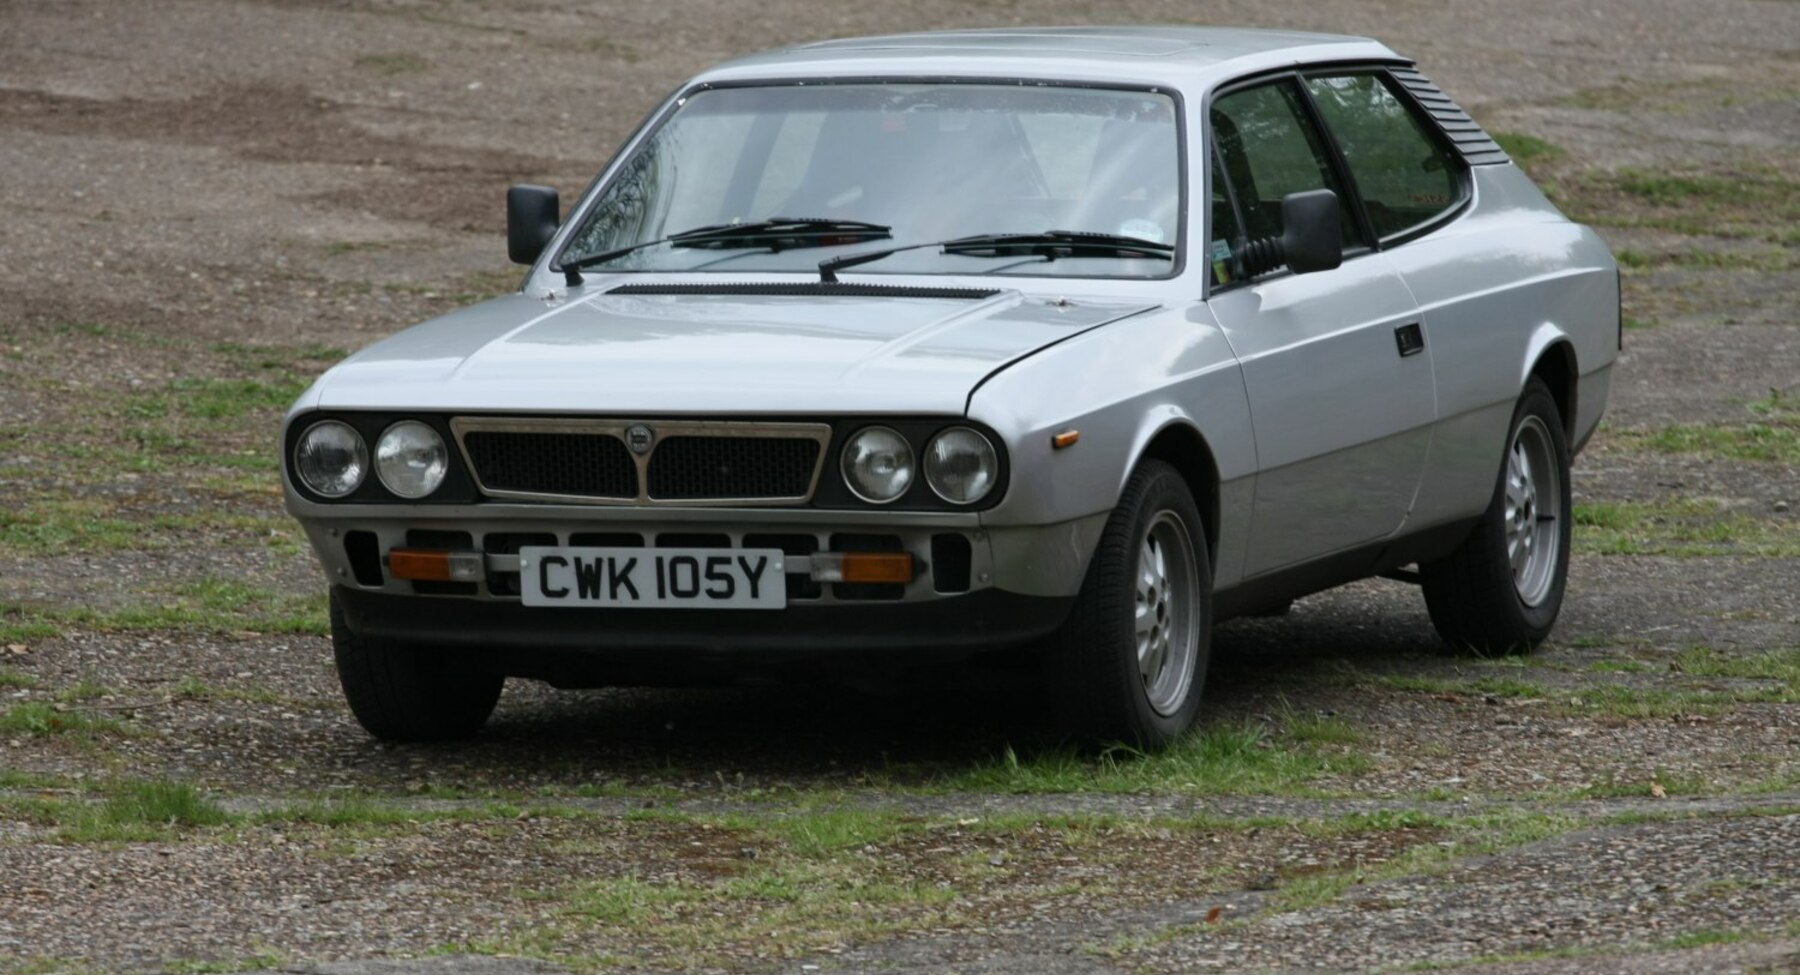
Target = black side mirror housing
(1311,237)
(532,215)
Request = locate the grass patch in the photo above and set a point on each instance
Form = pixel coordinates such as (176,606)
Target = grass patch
(1228,760)
(392,63)
(41,719)
(1506,687)
(209,605)
(143,811)
(1747,201)
(1775,665)
(1617,667)
(1477,836)
(1687,527)
(10,678)
(1525,148)
(1670,783)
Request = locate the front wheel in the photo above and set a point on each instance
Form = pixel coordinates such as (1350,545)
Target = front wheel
(1129,663)
(402,692)
(1501,590)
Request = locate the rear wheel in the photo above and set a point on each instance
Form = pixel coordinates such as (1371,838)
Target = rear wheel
(1129,663)
(1501,590)
(403,692)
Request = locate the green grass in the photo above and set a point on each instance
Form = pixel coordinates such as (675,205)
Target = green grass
(207,605)
(1525,148)
(85,689)
(10,678)
(1505,687)
(1672,784)
(41,719)
(1687,527)
(1617,667)
(143,811)
(392,63)
(1750,200)
(1221,760)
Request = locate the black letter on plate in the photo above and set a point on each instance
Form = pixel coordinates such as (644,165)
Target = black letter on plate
(754,578)
(621,578)
(544,576)
(587,577)
(676,587)
(714,563)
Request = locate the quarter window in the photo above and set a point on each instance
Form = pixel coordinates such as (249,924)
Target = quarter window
(1404,176)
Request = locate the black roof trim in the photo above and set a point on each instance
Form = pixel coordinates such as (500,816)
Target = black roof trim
(1476,146)
(800,289)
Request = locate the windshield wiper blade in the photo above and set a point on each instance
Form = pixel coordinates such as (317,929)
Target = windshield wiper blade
(776,233)
(1049,244)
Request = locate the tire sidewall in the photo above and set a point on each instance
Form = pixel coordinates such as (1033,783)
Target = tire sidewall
(1538,402)
(1164,490)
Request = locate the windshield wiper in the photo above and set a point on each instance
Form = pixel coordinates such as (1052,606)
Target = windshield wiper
(776,234)
(1049,244)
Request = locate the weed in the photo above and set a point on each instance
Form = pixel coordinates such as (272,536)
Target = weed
(13,679)
(40,719)
(392,64)
(1525,148)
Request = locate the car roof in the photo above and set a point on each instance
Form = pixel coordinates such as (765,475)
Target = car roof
(1125,53)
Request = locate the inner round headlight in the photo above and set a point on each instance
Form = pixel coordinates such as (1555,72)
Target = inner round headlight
(331,459)
(878,464)
(961,466)
(410,459)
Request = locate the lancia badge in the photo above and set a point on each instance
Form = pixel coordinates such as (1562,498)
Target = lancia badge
(639,437)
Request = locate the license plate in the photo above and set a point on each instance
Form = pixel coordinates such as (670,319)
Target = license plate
(653,578)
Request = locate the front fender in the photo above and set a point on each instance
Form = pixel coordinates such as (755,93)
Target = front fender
(1120,386)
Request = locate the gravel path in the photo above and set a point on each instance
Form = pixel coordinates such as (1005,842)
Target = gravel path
(206,192)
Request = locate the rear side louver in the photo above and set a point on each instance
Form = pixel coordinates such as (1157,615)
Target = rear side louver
(1475,145)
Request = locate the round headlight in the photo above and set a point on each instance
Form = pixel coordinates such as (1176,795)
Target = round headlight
(410,459)
(331,459)
(878,464)
(961,466)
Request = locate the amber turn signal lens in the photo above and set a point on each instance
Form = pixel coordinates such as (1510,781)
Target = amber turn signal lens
(428,566)
(1066,438)
(878,567)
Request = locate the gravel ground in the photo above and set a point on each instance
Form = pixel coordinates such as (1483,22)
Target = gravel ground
(201,191)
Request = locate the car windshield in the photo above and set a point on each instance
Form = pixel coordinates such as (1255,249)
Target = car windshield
(930,161)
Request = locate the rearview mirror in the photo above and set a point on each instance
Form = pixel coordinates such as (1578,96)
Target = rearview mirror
(532,215)
(1310,237)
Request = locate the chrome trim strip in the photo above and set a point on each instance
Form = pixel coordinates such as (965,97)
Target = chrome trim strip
(819,433)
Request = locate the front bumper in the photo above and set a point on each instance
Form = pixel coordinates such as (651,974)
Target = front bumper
(694,642)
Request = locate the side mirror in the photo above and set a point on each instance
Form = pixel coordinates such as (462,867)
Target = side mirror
(532,215)
(1310,237)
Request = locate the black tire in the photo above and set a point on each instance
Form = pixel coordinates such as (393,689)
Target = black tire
(1094,679)
(1476,600)
(400,692)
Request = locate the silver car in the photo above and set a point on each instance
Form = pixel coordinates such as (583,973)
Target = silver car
(897,349)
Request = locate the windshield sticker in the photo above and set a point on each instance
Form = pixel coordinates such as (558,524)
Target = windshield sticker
(1221,261)
(1142,229)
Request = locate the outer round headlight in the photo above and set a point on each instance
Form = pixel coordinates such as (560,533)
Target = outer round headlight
(331,459)
(878,464)
(410,459)
(961,466)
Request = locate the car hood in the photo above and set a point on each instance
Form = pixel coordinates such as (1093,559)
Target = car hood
(708,353)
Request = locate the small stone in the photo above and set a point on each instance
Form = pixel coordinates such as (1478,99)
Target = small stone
(1781,506)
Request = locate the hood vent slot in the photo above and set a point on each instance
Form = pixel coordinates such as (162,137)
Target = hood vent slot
(814,289)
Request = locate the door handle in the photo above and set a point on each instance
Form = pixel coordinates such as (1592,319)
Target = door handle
(1410,339)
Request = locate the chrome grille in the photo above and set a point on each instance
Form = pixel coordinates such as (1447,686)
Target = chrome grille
(688,462)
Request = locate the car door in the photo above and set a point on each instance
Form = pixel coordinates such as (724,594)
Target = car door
(1341,402)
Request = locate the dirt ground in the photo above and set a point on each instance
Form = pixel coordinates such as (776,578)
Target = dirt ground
(206,202)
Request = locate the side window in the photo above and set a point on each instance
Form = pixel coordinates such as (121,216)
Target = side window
(1270,149)
(1227,235)
(1404,175)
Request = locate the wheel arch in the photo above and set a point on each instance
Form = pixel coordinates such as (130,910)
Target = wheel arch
(1553,361)
(1182,446)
